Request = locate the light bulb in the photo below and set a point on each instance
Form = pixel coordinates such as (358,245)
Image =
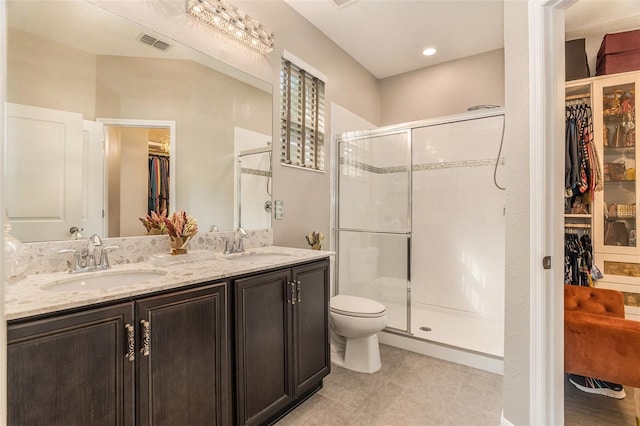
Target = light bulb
(429,51)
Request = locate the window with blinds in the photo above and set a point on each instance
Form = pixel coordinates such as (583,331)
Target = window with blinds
(302,120)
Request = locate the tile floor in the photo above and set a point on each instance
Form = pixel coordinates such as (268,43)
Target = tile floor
(409,389)
(413,389)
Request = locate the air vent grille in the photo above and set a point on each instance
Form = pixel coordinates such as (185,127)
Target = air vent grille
(152,41)
(343,3)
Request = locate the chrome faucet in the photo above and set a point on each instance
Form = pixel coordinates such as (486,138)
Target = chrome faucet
(241,235)
(87,260)
(94,241)
(234,245)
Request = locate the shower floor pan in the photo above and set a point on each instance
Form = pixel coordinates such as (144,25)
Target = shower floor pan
(460,329)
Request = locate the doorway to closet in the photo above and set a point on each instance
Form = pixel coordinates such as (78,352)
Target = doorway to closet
(139,170)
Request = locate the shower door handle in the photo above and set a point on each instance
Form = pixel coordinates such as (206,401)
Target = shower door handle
(409,258)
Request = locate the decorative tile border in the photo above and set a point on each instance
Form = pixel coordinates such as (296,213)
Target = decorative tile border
(421,167)
(255,172)
(458,164)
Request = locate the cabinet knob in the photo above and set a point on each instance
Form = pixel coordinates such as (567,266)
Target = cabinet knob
(131,343)
(146,337)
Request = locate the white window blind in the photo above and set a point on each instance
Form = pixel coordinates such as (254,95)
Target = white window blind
(302,120)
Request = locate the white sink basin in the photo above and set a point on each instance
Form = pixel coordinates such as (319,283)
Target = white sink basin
(97,281)
(260,257)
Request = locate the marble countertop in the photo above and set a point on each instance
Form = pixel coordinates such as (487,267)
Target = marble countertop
(30,296)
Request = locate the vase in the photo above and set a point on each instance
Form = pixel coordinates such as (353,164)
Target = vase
(179,245)
(316,246)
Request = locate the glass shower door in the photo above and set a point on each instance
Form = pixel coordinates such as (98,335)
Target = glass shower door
(374,222)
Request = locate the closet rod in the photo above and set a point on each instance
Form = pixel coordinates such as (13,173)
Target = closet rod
(577,225)
(576,97)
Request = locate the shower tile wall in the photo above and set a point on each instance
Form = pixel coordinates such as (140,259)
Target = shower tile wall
(375,182)
(458,220)
(455,216)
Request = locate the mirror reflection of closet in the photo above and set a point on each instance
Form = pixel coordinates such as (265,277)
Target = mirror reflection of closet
(138,176)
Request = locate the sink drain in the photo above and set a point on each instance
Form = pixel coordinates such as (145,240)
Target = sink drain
(425,328)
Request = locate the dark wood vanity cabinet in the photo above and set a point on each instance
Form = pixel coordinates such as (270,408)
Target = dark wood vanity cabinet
(162,360)
(71,369)
(167,359)
(282,340)
(182,359)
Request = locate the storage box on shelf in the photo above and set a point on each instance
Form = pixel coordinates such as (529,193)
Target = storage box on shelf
(619,52)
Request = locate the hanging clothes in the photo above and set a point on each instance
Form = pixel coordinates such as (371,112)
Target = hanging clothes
(583,176)
(158,200)
(578,259)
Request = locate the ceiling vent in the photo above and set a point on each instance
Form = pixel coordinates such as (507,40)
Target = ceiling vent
(152,41)
(343,3)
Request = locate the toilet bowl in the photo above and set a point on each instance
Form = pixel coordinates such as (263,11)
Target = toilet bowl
(355,323)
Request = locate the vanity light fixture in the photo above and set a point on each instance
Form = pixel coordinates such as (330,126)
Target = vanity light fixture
(429,51)
(233,22)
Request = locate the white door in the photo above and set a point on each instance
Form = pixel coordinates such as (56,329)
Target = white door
(92,178)
(43,172)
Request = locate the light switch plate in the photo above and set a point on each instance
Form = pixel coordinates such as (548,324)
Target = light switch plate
(278,210)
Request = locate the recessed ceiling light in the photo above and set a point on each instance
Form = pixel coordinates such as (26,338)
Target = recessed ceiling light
(429,51)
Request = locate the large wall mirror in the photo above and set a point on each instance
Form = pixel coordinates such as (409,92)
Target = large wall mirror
(107,120)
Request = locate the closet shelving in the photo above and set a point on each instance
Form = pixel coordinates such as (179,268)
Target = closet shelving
(577,93)
(616,220)
(611,217)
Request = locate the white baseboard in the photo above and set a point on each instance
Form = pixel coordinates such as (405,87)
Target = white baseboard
(477,360)
(503,421)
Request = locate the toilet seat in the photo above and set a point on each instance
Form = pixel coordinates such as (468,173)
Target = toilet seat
(354,306)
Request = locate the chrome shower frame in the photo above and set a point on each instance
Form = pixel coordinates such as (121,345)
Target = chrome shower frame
(386,131)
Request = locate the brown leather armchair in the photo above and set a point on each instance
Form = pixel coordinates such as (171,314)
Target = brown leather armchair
(598,341)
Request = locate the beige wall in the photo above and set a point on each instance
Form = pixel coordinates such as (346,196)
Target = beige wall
(114,153)
(516,151)
(68,74)
(206,106)
(134,180)
(443,89)
(306,195)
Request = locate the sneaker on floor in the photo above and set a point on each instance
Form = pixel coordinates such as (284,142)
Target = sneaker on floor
(600,387)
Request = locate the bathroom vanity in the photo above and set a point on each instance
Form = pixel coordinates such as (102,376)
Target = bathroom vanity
(219,341)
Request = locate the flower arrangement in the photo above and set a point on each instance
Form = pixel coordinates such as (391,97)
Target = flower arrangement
(315,240)
(179,226)
(154,223)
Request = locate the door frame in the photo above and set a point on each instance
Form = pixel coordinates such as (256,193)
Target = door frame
(151,124)
(546,106)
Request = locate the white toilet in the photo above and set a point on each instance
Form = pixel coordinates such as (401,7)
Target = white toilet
(355,323)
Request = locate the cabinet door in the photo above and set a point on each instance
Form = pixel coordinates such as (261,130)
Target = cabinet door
(615,116)
(182,369)
(311,325)
(264,384)
(71,369)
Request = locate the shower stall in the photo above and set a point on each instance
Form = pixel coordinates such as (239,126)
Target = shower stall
(420,227)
